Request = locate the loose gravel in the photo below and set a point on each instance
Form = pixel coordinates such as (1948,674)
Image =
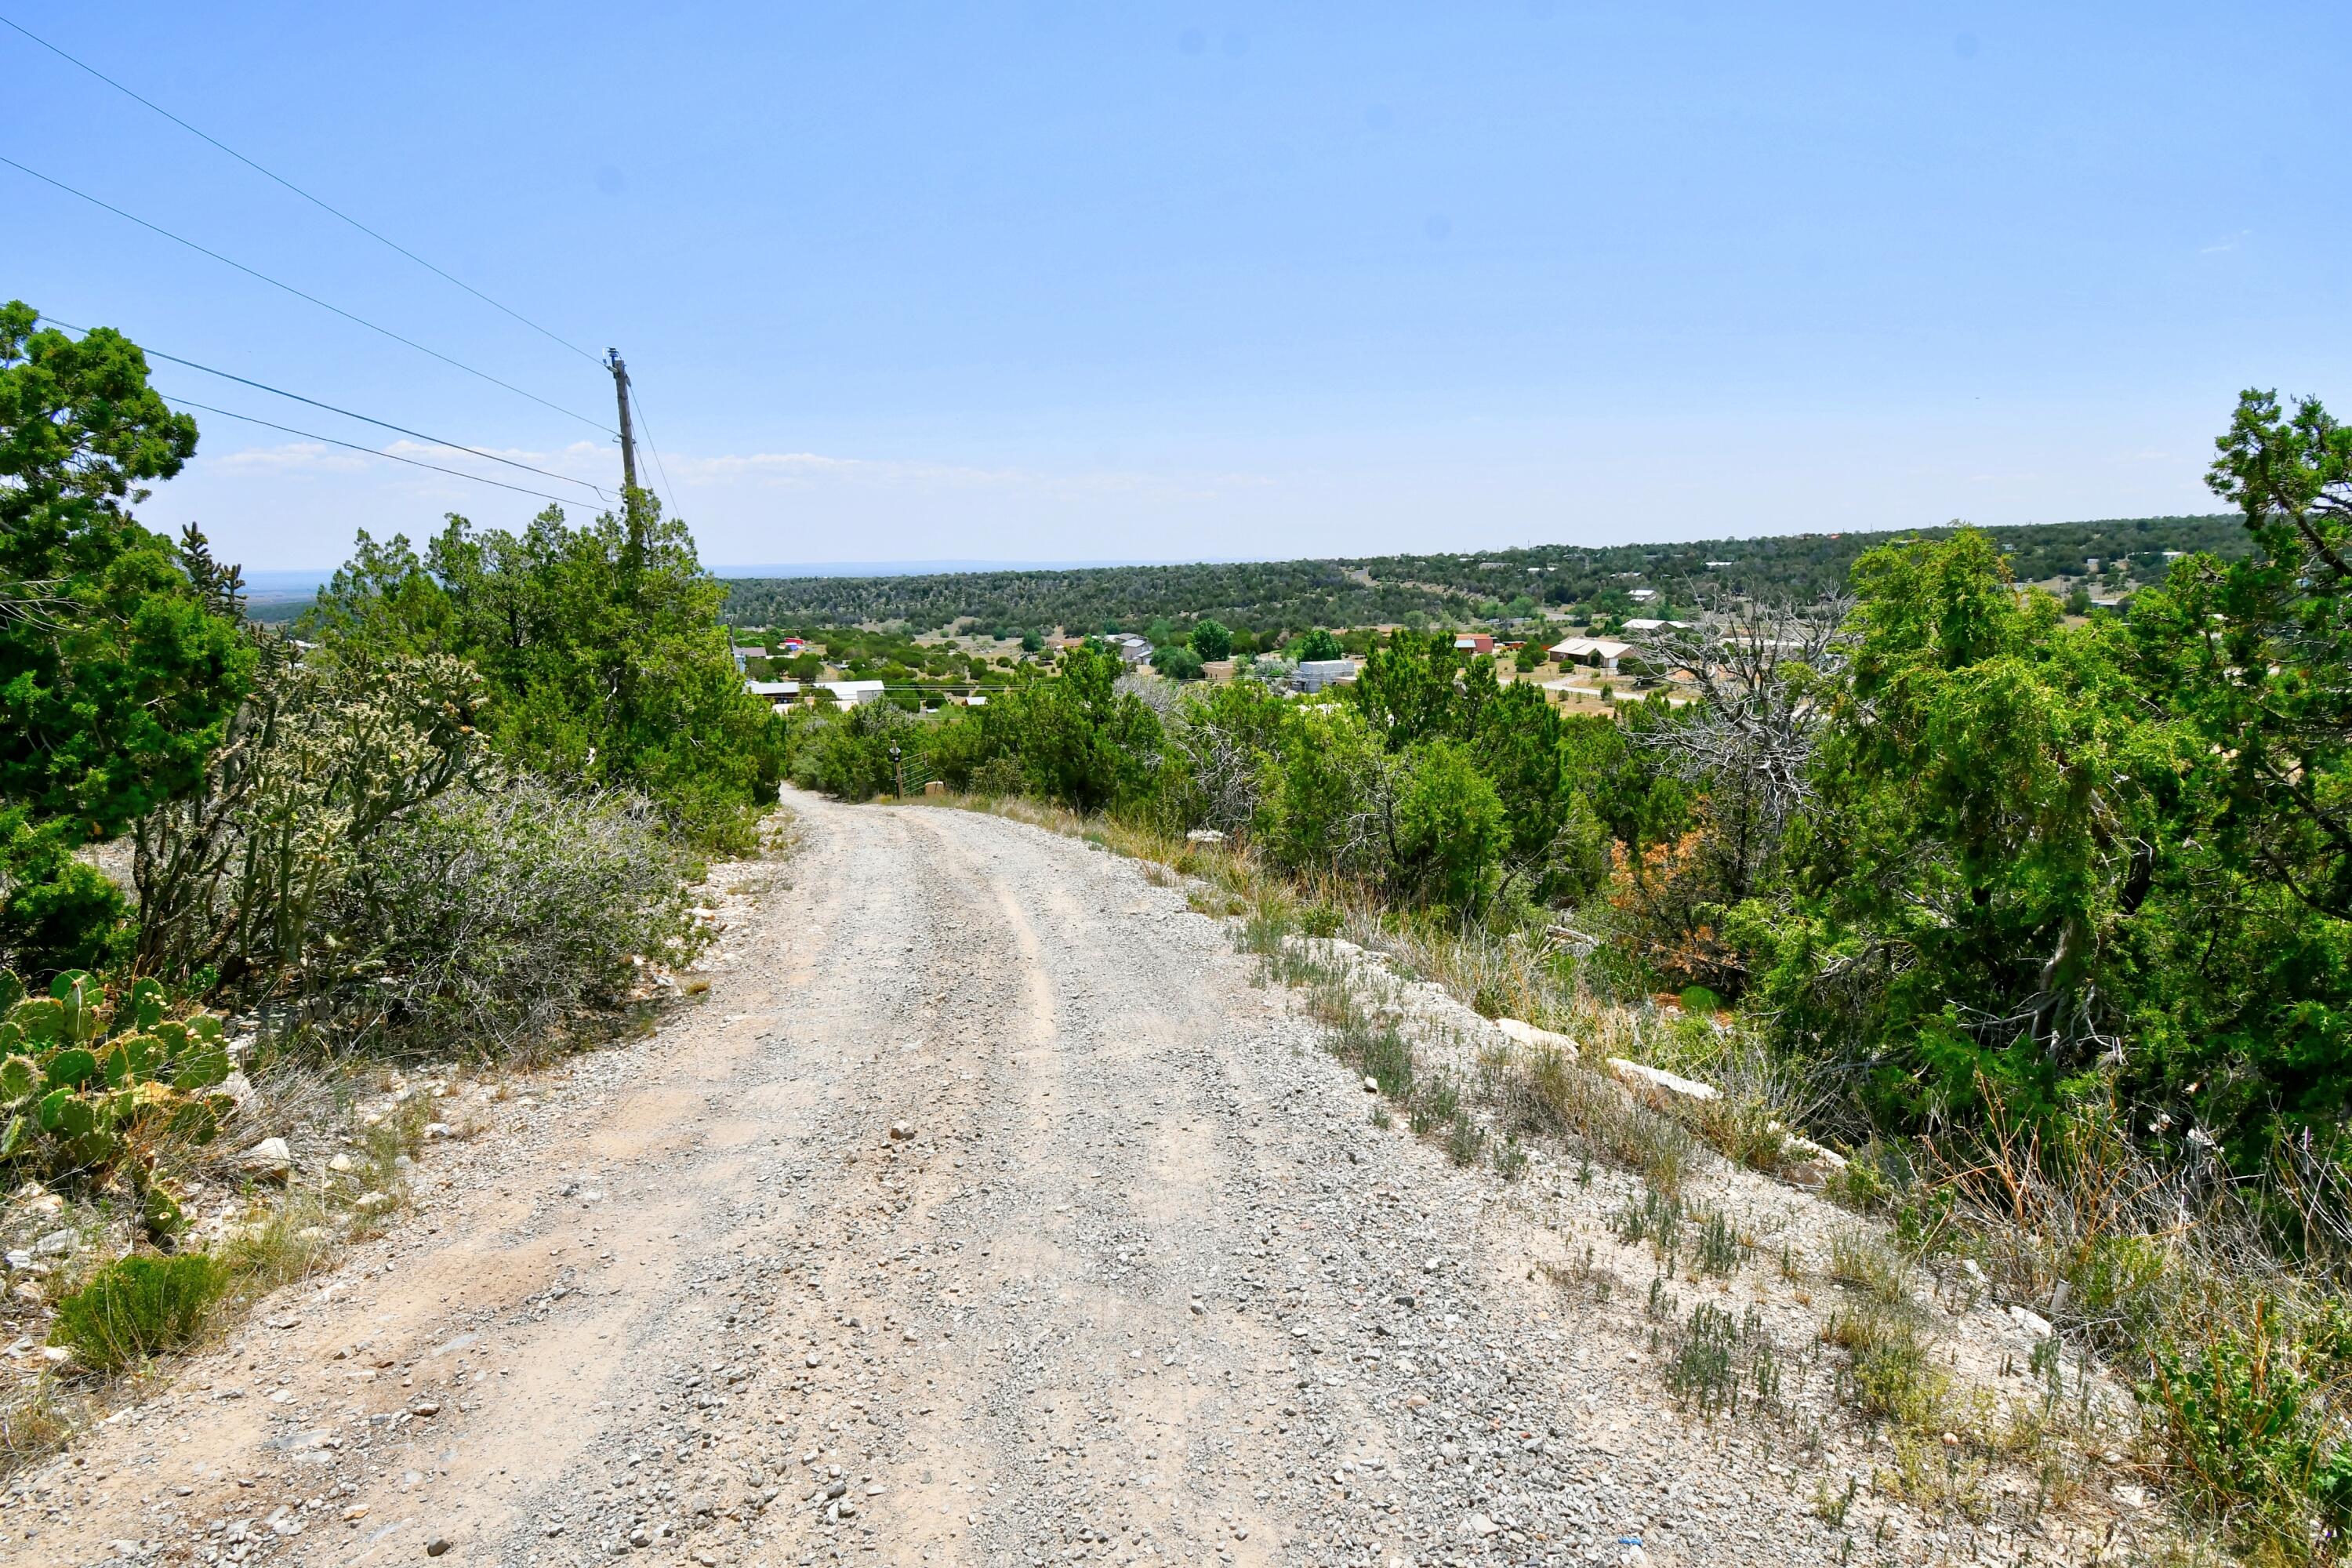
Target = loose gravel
(987,1209)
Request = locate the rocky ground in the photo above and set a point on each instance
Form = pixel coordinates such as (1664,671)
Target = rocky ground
(987,1209)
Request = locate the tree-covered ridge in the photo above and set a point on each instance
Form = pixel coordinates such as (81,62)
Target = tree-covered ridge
(1294,595)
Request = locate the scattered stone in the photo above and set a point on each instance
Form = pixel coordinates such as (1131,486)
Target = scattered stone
(900,1131)
(2034,1323)
(267,1161)
(57,1244)
(436,1545)
(340,1164)
(1659,1087)
(1521,1033)
(1807,1165)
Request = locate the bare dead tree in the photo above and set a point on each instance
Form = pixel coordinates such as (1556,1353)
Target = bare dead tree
(1755,675)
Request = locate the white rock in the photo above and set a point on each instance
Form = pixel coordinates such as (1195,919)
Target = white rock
(1657,1085)
(1522,1033)
(270,1159)
(57,1244)
(19,1259)
(2034,1323)
(1807,1165)
(1479,1526)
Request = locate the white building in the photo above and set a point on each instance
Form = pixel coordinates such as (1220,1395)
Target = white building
(851,693)
(1315,674)
(779,693)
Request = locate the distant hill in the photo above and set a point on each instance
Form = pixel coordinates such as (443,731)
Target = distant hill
(1274,594)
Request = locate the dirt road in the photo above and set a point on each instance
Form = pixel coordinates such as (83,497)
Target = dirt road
(984,1211)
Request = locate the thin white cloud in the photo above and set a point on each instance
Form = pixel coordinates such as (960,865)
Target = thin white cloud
(782,470)
(292,457)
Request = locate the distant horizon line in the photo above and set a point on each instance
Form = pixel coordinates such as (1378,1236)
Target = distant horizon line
(278,582)
(296,579)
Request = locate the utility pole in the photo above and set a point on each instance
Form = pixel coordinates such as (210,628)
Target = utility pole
(628,440)
(631,510)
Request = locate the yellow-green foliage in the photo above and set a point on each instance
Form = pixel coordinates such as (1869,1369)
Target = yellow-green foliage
(87,1088)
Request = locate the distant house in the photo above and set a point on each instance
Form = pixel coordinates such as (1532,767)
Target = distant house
(1598,652)
(790,645)
(779,693)
(1642,596)
(1132,649)
(851,693)
(1473,642)
(743,653)
(1717,566)
(1219,670)
(1315,674)
(1645,625)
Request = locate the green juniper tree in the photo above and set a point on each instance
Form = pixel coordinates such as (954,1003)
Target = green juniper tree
(121,657)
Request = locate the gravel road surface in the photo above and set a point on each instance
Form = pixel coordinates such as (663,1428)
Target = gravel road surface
(985,1211)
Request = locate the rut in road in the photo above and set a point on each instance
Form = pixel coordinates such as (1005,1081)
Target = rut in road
(985,1211)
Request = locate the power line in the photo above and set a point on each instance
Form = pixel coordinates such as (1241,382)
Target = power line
(298,191)
(299,294)
(371,451)
(348,414)
(658,466)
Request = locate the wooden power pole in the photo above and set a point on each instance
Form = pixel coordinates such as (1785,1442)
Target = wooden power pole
(628,438)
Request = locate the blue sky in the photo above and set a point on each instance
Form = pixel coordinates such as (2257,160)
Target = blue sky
(1075,281)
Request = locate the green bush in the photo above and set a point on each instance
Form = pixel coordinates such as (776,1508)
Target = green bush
(1317,644)
(56,913)
(137,1307)
(849,756)
(483,920)
(1211,641)
(2243,1417)
(1450,827)
(1326,796)
(1177,662)
(1082,742)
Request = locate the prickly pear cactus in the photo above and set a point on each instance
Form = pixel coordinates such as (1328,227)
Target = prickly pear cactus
(87,1088)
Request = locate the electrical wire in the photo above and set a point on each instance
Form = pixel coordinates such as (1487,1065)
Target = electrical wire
(667,493)
(298,191)
(371,451)
(348,414)
(314,299)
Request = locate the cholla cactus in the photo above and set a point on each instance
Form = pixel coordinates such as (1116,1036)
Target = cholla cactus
(87,1090)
